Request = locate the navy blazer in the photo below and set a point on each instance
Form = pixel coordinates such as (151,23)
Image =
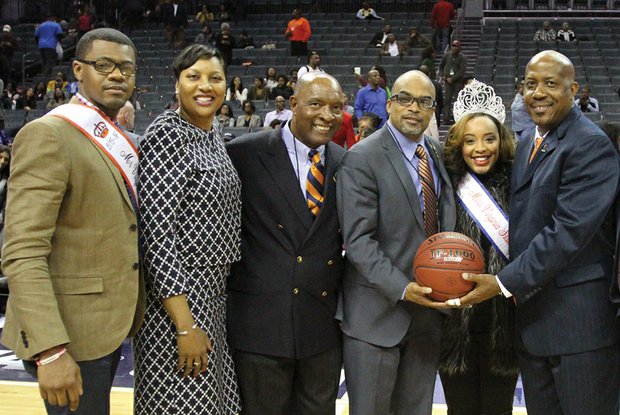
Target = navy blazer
(562,239)
(283,294)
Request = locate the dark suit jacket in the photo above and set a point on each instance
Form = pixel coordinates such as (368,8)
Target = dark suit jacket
(169,18)
(383,226)
(562,239)
(376,39)
(283,294)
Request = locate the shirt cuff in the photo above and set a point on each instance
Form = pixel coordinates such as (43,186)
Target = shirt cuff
(505,292)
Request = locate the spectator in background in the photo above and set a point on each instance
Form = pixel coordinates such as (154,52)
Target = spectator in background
(372,98)
(225,117)
(281,88)
(125,118)
(280,113)
(57,99)
(223,15)
(60,81)
(367,13)
(205,37)
(380,38)
(442,13)
(438,93)
(452,70)
(428,60)
(566,34)
(585,102)
(40,91)
(345,134)
(245,41)
(314,62)
(85,21)
(174,16)
(47,35)
(298,32)
(225,42)
(258,90)
(236,91)
(417,40)
(271,79)
(292,81)
(546,34)
(391,47)
(521,120)
(383,81)
(368,124)
(29,100)
(248,119)
(8,45)
(204,15)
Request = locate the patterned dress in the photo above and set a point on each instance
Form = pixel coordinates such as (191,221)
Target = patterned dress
(190,223)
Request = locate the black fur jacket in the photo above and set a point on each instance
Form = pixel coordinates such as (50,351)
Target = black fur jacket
(456,349)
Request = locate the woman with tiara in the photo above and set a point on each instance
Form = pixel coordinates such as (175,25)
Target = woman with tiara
(478,366)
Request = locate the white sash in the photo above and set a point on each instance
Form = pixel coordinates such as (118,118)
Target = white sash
(485,211)
(95,125)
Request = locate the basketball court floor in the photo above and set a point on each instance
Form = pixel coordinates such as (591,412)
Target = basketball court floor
(19,395)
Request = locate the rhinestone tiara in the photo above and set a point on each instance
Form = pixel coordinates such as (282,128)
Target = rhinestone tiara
(475,97)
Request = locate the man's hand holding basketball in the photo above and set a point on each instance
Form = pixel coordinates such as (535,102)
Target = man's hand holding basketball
(418,294)
(486,287)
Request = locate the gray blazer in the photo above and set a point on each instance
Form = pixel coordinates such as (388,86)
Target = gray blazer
(382,227)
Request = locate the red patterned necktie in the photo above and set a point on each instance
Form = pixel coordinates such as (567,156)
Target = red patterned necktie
(428,192)
(314,183)
(539,141)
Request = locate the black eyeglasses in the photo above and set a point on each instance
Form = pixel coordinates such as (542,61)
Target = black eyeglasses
(406,99)
(107,66)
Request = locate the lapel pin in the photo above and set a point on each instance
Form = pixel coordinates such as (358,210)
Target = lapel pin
(543,149)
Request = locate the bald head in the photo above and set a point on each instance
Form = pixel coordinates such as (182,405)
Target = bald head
(550,57)
(549,89)
(314,77)
(126,116)
(415,79)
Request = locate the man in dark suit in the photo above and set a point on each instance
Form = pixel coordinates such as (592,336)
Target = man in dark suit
(562,240)
(387,207)
(174,16)
(380,38)
(283,294)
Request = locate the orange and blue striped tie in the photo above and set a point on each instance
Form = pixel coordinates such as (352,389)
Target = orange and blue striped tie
(314,183)
(429,197)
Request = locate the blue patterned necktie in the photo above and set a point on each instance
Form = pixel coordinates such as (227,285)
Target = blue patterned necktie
(314,183)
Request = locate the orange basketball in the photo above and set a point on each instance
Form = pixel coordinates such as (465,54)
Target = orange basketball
(441,260)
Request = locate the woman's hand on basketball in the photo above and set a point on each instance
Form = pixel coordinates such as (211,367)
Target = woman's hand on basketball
(417,294)
(486,287)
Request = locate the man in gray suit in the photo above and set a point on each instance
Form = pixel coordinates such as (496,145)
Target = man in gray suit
(388,204)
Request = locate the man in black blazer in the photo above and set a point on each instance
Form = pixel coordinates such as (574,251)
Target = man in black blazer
(174,16)
(283,294)
(562,241)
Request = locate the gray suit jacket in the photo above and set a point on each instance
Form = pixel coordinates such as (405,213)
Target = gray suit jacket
(382,227)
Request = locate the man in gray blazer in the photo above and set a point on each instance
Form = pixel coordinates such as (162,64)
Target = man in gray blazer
(391,330)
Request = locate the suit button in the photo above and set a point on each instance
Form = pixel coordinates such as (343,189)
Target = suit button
(280,226)
(295,290)
(133,227)
(324,294)
(136,266)
(300,259)
(330,262)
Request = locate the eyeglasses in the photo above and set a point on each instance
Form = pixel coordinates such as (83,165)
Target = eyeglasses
(406,99)
(107,66)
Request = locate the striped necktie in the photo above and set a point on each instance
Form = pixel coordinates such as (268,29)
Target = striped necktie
(539,141)
(428,192)
(314,183)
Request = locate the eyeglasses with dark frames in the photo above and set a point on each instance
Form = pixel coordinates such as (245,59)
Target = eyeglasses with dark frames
(107,66)
(405,99)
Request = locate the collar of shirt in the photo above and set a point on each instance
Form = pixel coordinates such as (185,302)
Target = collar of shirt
(538,134)
(295,147)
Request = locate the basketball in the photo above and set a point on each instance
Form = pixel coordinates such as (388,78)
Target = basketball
(440,261)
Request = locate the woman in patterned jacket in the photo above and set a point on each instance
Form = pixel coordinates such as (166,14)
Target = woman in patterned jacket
(189,197)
